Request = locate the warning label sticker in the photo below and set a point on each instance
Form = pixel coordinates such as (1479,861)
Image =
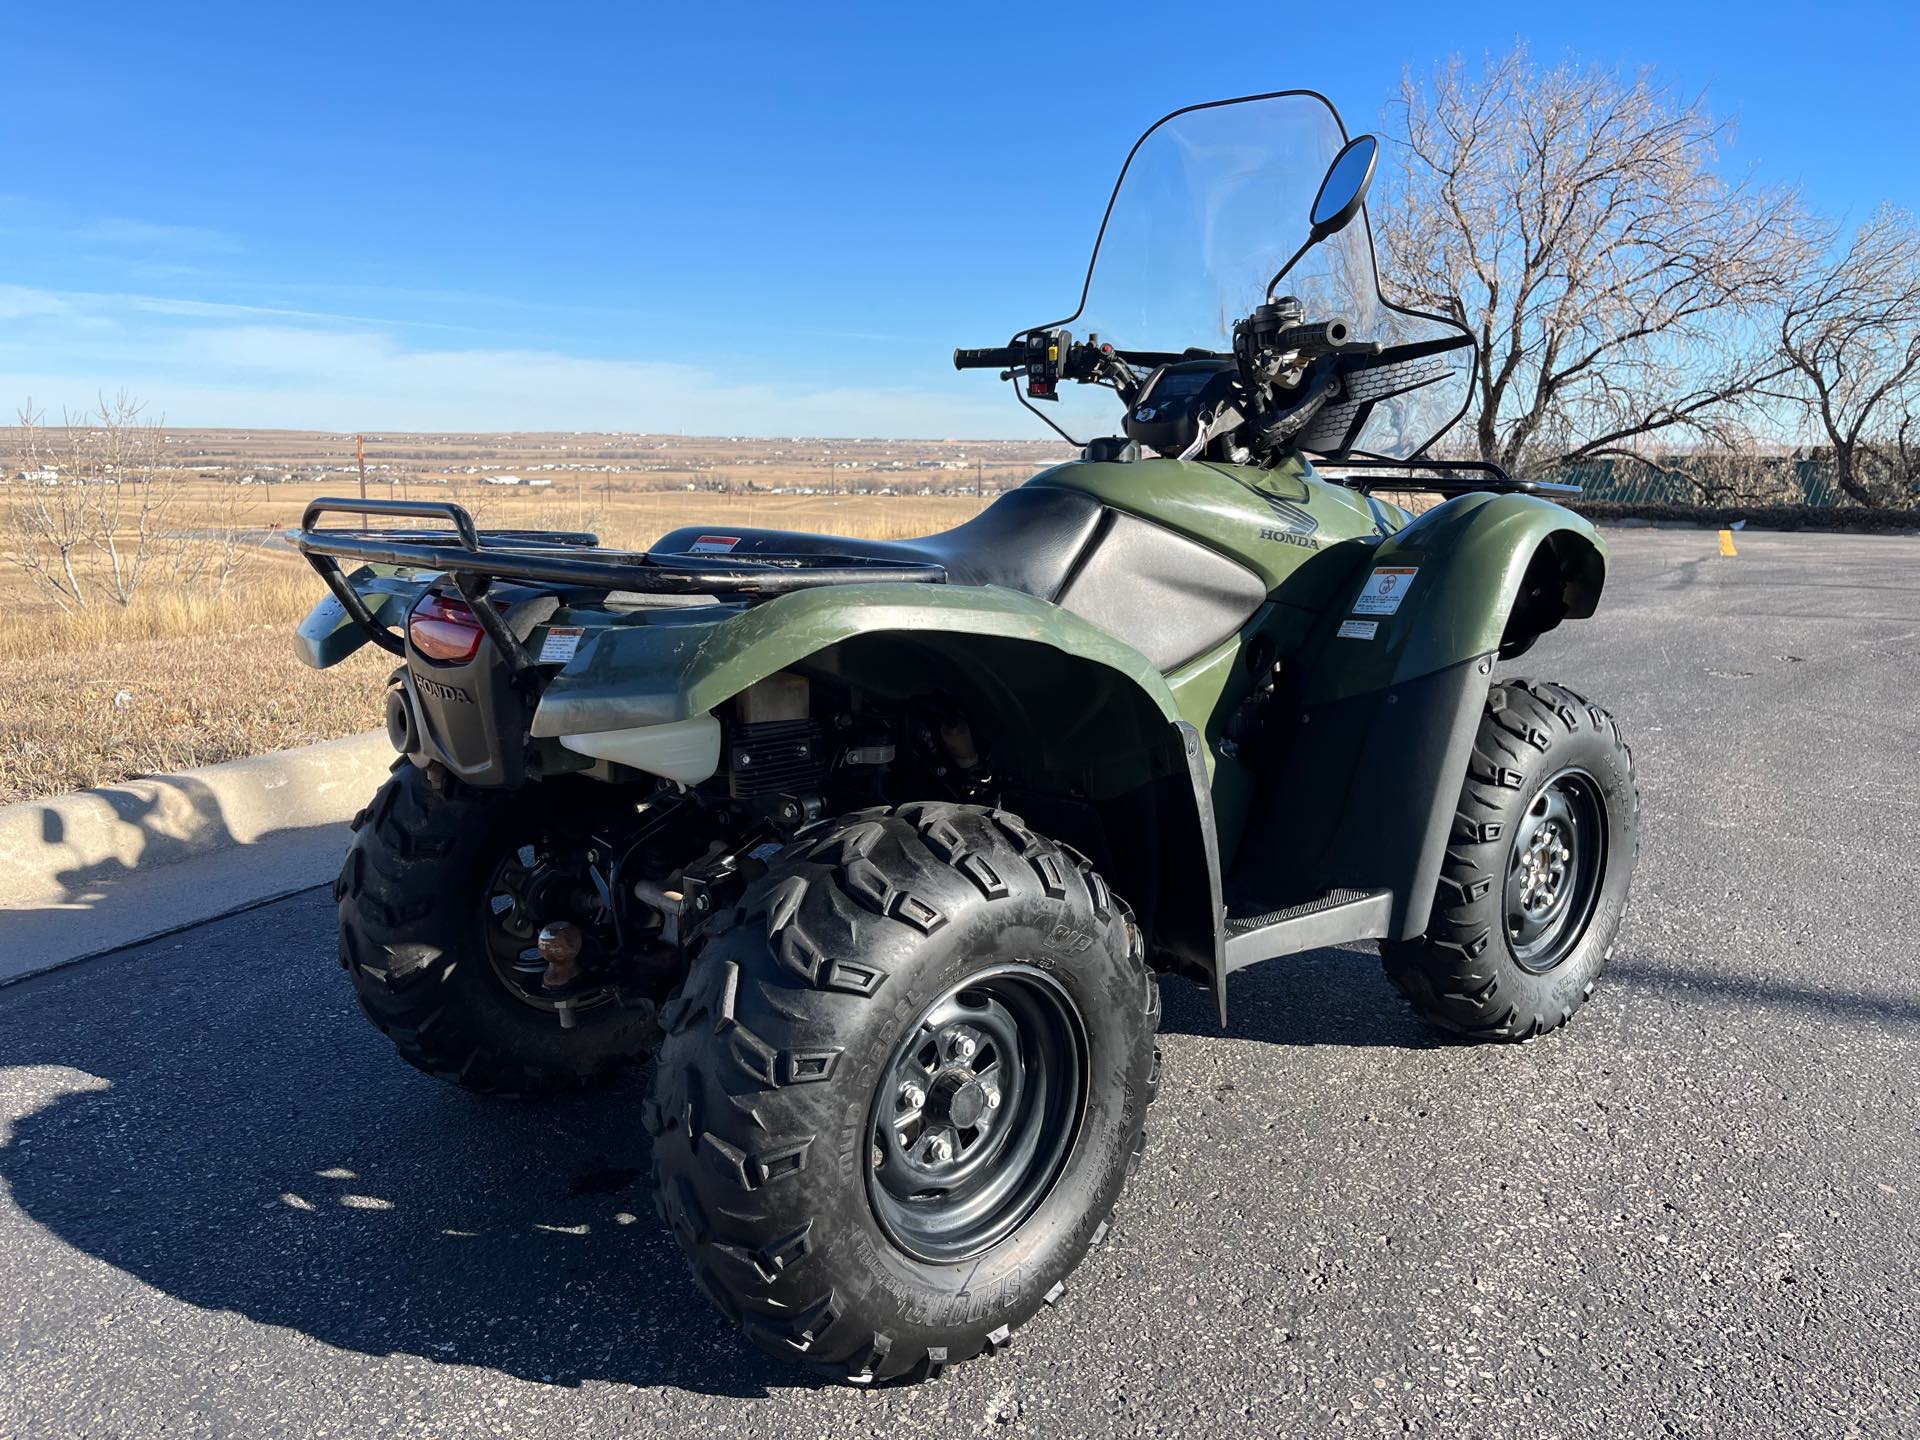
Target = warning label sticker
(1358,629)
(561,643)
(1384,590)
(713,544)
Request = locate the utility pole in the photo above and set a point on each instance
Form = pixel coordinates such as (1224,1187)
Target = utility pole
(360,449)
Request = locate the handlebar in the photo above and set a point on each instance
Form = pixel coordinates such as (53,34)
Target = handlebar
(1000,358)
(1327,337)
(1324,338)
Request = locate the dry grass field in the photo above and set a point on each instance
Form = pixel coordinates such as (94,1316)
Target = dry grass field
(192,674)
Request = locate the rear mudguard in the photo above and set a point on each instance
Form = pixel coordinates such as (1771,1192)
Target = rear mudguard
(658,666)
(1075,716)
(1386,699)
(329,635)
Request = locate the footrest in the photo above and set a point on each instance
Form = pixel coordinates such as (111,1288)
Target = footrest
(1335,918)
(1241,924)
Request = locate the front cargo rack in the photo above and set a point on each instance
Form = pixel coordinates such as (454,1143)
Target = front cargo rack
(475,558)
(1367,473)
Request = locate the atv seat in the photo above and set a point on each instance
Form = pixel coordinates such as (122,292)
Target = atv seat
(1026,540)
(1169,597)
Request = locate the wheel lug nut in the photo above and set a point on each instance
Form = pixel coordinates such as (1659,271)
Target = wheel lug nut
(993,1099)
(914,1096)
(964,1045)
(939,1150)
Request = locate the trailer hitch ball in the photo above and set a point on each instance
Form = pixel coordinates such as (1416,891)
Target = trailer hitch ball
(559,945)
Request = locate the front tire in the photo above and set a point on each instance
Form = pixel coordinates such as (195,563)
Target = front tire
(1537,870)
(899,1095)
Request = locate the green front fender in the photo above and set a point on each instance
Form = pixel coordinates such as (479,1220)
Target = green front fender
(1394,686)
(1487,571)
(659,666)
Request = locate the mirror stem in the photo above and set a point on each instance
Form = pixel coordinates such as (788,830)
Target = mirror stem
(1281,273)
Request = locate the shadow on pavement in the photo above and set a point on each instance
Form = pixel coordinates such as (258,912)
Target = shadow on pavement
(1340,997)
(1324,997)
(182,817)
(233,1135)
(1682,982)
(219,1124)
(111,903)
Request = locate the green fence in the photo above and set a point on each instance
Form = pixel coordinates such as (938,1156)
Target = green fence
(1714,480)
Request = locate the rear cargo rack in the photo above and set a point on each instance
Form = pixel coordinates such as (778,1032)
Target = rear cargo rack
(475,558)
(1439,477)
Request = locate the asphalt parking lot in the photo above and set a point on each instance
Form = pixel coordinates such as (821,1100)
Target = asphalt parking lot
(227,1208)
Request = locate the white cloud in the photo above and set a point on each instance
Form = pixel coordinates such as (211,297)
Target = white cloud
(187,362)
(146,235)
(19,302)
(226,310)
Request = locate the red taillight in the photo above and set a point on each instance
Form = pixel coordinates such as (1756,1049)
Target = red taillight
(443,629)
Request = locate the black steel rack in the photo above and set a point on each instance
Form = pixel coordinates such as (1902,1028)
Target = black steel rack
(1367,473)
(475,558)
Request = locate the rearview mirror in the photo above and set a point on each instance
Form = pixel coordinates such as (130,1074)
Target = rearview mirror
(1341,195)
(1345,188)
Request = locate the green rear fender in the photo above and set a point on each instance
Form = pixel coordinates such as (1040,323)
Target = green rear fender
(1472,577)
(658,667)
(1079,728)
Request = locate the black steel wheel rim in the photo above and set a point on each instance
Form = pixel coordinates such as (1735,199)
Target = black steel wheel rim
(528,886)
(976,1113)
(1554,865)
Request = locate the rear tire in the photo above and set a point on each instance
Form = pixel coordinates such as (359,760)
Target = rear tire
(1538,866)
(837,1209)
(413,907)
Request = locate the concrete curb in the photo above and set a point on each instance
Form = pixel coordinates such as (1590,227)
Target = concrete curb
(104,868)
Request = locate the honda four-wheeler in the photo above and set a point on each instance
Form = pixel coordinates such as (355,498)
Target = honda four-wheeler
(880,849)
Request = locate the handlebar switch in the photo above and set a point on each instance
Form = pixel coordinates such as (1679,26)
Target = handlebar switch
(1046,352)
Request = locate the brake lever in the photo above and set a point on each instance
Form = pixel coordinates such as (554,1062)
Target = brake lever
(1223,421)
(1105,363)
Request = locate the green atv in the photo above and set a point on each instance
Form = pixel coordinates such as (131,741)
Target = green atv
(880,848)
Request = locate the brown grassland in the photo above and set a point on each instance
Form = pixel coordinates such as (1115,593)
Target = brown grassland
(192,675)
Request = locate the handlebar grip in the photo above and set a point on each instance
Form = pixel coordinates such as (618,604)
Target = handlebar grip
(996,359)
(1328,335)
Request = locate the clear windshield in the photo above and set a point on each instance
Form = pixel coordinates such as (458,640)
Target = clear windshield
(1212,201)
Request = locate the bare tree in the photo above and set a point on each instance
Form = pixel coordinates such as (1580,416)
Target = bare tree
(218,553)
(1850,331)
(83,519)
(1905,449)
(1618,286)
(45,532)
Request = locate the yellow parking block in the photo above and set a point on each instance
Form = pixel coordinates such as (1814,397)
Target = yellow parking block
(1726,543)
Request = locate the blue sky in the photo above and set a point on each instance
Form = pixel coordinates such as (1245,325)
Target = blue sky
(723,219)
